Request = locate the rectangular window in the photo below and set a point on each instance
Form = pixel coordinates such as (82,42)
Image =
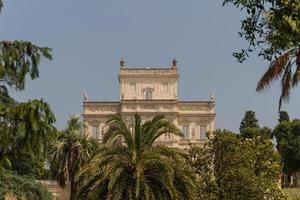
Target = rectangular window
(203,132)
(165,88)
(185,132)
(132,87)
(95,131)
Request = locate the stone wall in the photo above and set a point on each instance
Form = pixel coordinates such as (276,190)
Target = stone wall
(57,191)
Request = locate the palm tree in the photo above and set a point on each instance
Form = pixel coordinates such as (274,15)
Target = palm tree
(132,165)
(283,67)
(69,152)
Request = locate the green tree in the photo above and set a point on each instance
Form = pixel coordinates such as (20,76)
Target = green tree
(249,127)
(133,166)
(230,167)
(69,152)
(287,135)
(26,129)
(249,121)
(272,29)
(283,116)
(24,126)
(262,133)
(22,187)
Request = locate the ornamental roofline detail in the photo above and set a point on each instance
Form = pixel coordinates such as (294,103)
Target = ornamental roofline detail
(123,65)
(147,71)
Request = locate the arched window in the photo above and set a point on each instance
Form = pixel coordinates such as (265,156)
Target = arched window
(148,95)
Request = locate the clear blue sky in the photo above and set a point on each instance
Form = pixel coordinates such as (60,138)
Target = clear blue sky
(89,37)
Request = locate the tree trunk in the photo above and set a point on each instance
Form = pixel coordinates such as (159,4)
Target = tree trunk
(72,190)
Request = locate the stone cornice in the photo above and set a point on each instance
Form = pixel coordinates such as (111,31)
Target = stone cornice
(101,103)
(149,113)
(93,116)
(196,114)
(196,102)
(186,108)
(146,68)
(148,73)
(154,101)
(148,101)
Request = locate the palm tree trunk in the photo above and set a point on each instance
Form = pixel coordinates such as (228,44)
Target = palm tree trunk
(72,189)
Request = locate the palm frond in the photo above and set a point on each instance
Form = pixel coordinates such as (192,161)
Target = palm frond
(136,167)
(117,129)
(286,85)
(69,152)
(275,70)
(296,76)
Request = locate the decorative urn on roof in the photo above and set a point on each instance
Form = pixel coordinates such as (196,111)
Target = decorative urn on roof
(122,62)
(174,64)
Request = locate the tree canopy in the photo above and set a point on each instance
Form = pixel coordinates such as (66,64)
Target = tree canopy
(22,187)
(287,135)
(131,165)
(283,116)
(25,127)
(230,167)
(70,151)
(272,30)
(249,121)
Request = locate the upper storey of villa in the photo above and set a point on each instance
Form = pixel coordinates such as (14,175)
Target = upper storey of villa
(148,83)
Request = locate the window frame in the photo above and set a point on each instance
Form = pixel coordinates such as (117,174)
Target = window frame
(131,86)
(148,95)
(165,87)
(97,133)
(203,135)
(185,130)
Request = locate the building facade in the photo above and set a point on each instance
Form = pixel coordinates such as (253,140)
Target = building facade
(148,92)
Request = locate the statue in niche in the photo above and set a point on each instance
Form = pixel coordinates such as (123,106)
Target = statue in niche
(194,132)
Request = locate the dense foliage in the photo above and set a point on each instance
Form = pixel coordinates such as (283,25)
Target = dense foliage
(230,167)
(22,187)
(272,29)
(69,151)
(25,127)
(25,131)
(287,134)
(250,133)
(283,116)
(133,166)
(19,58)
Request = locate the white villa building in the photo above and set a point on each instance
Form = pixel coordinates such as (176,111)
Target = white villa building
(148,92)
